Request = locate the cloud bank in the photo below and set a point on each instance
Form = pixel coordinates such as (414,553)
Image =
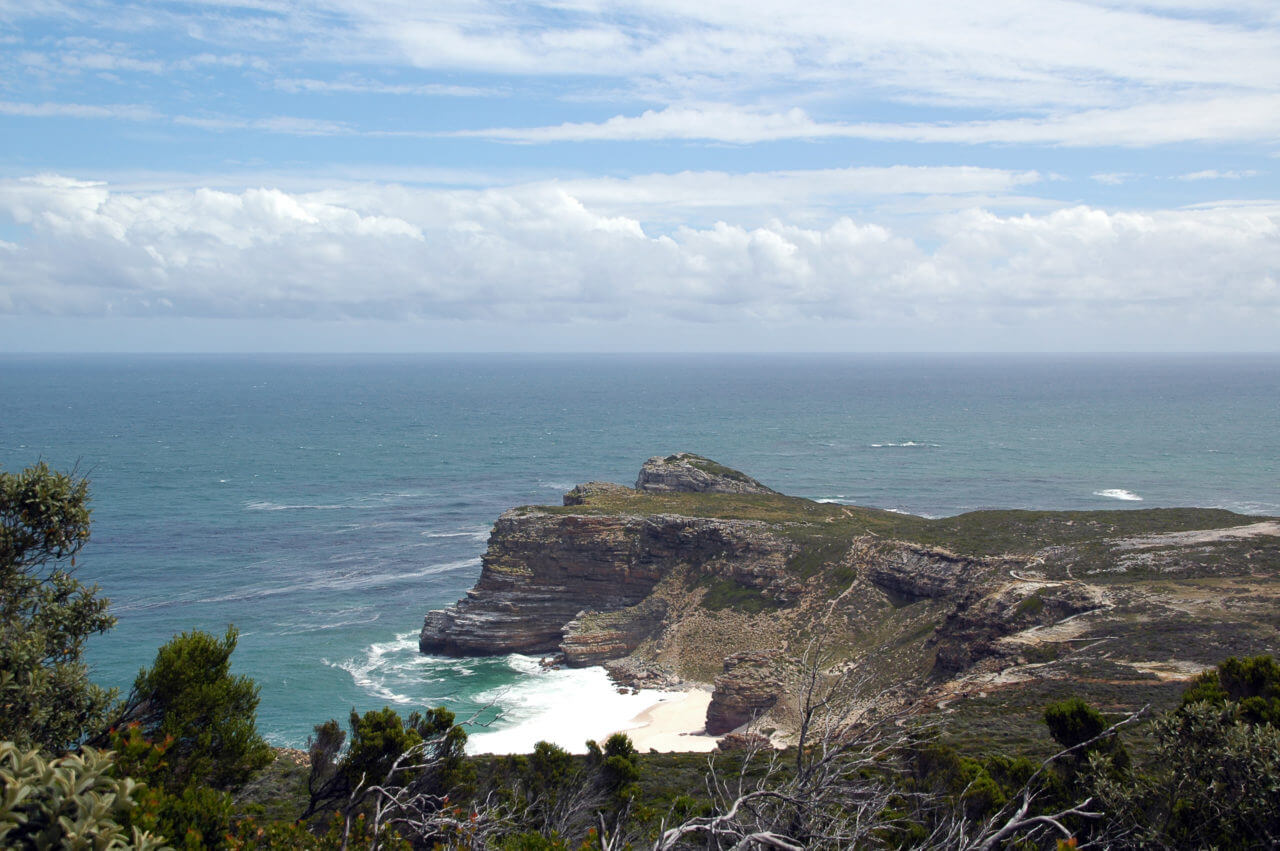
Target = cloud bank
(539,253)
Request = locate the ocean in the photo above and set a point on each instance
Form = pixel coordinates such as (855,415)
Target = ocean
(323,504)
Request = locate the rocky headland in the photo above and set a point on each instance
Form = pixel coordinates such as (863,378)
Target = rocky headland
(702,574)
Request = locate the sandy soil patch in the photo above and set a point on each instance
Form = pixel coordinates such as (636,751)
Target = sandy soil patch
(1202,536)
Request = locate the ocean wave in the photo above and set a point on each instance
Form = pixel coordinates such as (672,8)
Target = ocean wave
(263,505)
(478,534)
(906,444)
(343,582)
(1119,493)
(913,513)
(558,486)
(534,708)
(835,500)
(390,665)
(327,625)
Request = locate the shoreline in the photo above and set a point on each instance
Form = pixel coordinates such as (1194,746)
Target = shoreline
(568,706)
(675,723)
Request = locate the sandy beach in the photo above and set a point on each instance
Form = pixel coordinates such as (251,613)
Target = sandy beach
(677,722)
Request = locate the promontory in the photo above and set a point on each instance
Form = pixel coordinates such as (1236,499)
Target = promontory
(699,573)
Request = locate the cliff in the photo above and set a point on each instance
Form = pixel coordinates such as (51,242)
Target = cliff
(701,573)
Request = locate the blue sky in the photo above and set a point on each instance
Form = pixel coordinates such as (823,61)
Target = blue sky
(388,175)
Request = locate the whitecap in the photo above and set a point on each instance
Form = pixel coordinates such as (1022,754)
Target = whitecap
(913,513)
(1119,493)
(834,500)
(473,534)
(558,486)
(263,505)
(906,444)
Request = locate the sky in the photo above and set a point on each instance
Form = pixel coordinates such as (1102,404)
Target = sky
(588,175)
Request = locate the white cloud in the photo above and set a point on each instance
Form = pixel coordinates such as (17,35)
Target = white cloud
(128,112)
(1071,72)
(1215,174)
(363,86)
(284,124)
(1112,178)
(539,254)
(1252,118)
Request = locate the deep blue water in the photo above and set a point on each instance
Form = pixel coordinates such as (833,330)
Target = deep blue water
(322,504)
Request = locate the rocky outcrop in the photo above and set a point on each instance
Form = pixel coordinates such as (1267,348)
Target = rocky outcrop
(910,572)
(542,570)
(593,638)
(971,633)
(581,494)
(743,742)
(750,686)
(688,473)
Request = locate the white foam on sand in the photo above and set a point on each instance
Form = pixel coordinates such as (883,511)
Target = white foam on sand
(1118,493)
(564,706)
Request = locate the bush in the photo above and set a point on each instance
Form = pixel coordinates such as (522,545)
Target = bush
(46,699)
(207,716)
(69,802)
(1252,684)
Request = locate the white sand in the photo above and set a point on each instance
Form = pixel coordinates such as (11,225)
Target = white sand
(677,722)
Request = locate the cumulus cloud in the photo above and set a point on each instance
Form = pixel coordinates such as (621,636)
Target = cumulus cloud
(537,253)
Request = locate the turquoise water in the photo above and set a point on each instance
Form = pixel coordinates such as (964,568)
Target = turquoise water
(322,504)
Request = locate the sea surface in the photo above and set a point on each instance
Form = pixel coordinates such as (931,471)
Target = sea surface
(323,504)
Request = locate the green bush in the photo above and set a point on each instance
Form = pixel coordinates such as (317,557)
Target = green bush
(46,699)
(189,697)
(1252,684)
(70,802)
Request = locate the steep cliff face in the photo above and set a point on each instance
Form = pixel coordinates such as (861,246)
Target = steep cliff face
(543,570)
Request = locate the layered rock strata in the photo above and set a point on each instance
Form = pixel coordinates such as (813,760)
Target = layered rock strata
(546,577)
(749,687)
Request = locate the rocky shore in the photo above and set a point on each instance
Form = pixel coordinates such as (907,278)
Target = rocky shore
(701,574)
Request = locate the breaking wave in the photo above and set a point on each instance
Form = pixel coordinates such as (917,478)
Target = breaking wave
(1119,493)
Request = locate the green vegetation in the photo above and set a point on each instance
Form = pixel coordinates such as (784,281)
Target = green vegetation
(73,801)
(46,699)
(977,533)
(724,593)
(189,698)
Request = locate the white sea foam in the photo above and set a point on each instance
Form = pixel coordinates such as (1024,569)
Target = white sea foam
(385,664)
(343,582)
(906,444)
(913,513)
(562,706)
(477,534)
(263,505)
(841,499)
(558,486)
(1118,493)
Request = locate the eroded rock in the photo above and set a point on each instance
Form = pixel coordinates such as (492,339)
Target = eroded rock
(752,683)
(688,473)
